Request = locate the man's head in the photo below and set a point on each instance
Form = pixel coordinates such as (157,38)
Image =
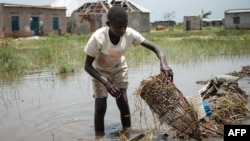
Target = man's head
(117,13)
(117,20)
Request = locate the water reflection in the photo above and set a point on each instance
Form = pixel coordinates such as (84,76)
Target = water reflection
(46,106)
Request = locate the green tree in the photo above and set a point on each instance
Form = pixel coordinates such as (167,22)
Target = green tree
(204,14)
(169,15)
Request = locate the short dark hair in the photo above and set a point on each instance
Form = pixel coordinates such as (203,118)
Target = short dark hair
(117,13)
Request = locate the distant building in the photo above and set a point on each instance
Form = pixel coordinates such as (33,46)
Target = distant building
(192,23)
(24,20)
(237,19)
(66,16)
(164,23)
(212,22)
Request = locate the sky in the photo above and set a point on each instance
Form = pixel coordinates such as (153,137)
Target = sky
(180,8)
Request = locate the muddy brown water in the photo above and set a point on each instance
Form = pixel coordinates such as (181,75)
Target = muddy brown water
(49,107)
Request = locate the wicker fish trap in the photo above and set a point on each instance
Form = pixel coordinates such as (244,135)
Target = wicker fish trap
(170,105)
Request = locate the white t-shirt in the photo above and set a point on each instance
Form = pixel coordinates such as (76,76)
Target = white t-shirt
(105,52)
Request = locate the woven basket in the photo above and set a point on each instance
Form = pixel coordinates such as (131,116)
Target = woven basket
(170,105)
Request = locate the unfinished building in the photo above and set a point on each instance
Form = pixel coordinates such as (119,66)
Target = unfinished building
(93,15)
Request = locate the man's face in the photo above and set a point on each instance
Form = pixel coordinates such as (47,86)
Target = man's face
(118,28)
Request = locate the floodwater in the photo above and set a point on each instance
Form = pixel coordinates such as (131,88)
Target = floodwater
(50,107)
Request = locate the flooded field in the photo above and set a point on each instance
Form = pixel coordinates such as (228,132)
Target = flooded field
(50,107)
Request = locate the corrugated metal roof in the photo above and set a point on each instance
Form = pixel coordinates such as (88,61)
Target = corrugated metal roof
(238,11)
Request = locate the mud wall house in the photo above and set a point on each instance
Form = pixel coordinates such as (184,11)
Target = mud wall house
(237,19)
(191,23)
(24,20)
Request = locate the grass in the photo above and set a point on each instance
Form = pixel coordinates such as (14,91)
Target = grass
(64,54)
(184,47)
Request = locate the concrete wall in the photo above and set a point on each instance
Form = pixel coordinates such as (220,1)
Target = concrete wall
(244,20)
(88,23)
(139,21)
(25,13)
(80,23)
(1,22)
(191,23)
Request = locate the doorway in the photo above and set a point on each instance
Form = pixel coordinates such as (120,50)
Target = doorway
(188,25)
(34,25)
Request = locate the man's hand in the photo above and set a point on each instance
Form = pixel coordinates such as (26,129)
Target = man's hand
(168,72)
(112,89)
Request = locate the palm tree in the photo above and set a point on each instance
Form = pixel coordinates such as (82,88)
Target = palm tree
(204,14)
